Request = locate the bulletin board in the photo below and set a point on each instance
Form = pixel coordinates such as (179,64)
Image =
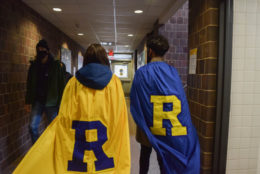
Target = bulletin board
(141,58)
(80,61)
(193,61)
(121,71)
(66,58)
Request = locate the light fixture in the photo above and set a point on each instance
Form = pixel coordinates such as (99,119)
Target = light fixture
(109,43)
(130,35)
(103,43)
(126,46)
(138,11)
(57,9)
(80,34)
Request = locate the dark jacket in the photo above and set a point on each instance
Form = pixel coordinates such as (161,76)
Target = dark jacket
(67,76)
(55,86)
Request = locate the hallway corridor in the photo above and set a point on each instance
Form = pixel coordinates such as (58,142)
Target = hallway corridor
(212,44)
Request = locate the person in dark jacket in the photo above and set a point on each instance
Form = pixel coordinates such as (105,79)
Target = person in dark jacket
(45,84)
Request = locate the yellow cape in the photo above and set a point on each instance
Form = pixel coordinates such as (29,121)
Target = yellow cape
(57,151)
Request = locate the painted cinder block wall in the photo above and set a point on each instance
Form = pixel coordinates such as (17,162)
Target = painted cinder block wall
(244,125)
(176,31)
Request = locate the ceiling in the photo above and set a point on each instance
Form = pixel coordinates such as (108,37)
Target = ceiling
(105,20)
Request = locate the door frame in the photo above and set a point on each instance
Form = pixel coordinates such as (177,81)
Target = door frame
(223,86)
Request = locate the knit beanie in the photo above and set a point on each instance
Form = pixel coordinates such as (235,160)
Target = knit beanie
(42,43)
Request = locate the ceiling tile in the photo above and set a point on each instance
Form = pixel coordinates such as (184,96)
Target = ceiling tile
(95,18)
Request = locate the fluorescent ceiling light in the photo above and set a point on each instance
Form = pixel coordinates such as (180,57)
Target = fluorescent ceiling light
(127,46)
(57,9)
(80,34)
(130,35)
(138,11)
(103,43)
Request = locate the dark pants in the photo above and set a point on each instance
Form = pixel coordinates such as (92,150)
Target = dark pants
(37,110)
(145,160)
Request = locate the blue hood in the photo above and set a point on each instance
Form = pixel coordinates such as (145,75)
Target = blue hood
(94,75)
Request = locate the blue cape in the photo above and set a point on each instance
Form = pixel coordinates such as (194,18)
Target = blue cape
(180,154)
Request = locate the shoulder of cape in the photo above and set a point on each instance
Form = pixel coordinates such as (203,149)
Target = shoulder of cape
(114,77)
(114,80)
(149,67)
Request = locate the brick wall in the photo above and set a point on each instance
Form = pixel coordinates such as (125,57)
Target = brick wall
(203,35)
(20,30)
(176,31)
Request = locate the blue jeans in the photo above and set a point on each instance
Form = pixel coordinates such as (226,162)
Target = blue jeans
(37,110)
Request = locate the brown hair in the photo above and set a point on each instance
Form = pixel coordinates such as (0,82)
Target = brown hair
(96,54)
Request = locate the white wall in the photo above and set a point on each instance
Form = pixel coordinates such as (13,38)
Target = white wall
(258,166)
(244,129)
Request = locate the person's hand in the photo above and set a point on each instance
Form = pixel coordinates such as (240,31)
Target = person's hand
(28,108)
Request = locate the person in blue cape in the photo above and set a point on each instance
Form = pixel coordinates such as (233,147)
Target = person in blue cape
(161,112)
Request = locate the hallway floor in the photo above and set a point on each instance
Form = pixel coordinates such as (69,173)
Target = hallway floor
(135,151)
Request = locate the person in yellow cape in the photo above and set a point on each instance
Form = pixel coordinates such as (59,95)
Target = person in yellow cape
(90,133)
